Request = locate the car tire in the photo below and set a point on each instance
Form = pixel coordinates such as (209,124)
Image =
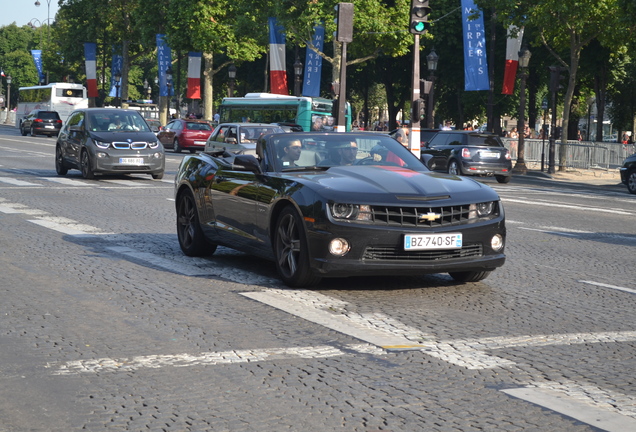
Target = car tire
(291,251)
(192,150)
(60,166)
(175,146)
(191,238)
(32,131)
(503,179)
(157,176)
(22,131)
(85,165)
(631,181)
(470,276)
(453,168)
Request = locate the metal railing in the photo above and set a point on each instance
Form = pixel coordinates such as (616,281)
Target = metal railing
(573,155)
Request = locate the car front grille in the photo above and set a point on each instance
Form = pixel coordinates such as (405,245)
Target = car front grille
(137,145)
(420,217)
(377,253)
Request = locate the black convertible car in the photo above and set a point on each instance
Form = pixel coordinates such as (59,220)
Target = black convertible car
(338,204)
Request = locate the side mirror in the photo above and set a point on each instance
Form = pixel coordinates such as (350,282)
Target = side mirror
(246,163)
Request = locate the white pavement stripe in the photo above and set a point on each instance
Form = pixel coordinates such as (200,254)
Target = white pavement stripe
(210,358)
(336,322)
(599,417)
(573,207)
(66,181)
(16,182)
(167,264)
(629,290)
(69,227)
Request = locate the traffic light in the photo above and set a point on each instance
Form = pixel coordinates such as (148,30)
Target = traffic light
(344,21)
(556,77)
(419,16)
(419,110)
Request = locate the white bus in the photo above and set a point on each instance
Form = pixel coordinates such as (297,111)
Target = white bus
(60,97)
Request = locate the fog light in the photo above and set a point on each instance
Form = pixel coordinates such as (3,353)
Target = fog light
(339,247)
(158,155)
(102,155)
(497,243)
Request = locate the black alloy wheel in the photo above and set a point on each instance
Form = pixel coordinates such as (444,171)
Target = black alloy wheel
(631,181)
(60,166)
(453,168)
(191,238)
(85,164)
(291,251)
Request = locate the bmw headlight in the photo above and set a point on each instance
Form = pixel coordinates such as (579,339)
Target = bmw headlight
(352,212)
(102,144)
(481,210)
(153,144)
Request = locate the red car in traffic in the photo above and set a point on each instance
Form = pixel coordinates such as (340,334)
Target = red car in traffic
(185,134)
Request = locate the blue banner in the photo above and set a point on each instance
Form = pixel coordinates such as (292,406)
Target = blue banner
(313,64)
(164,57)
(475,63)
(37,59)
(116,68)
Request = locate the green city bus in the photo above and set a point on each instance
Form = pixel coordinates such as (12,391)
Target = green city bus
(312,114)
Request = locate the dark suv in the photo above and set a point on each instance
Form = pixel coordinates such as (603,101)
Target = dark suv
(40,122)
(628,173)
(468,153)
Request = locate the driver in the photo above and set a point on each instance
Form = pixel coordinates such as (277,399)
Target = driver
(291,152)
(341,153)
(116,124)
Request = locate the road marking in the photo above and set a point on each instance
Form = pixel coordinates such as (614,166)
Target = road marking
(68,226)
(575,401)
(66,181)
(567,206)
(629,290)
(209,358)
(16,182)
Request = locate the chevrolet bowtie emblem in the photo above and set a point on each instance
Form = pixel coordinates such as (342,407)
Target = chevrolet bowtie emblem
(430,216)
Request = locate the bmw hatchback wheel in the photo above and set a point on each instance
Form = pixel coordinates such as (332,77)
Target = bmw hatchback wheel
(85,162)
(60,166)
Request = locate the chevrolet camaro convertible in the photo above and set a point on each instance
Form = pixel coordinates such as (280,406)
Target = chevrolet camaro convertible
(336,205)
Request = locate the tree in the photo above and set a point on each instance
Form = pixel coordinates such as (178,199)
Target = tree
(564,26)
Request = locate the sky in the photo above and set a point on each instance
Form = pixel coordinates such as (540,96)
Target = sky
(23,11)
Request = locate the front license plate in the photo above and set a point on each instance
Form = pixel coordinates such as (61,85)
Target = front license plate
(131,161)
(432,241)
(487,154)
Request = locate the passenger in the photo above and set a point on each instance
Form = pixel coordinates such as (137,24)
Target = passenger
(290,153)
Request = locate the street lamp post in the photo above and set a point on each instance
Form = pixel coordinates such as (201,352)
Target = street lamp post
(431,63)
(6,121)
(231,71)
(298,72)
(524,60)
(117,84)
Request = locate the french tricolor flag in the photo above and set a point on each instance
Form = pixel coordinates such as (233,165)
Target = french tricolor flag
(90,53)
(513,45)
(277,70)
(194,75)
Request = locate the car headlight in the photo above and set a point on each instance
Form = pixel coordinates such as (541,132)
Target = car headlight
(102,144)
(153,144)
(484,209)
(354,212)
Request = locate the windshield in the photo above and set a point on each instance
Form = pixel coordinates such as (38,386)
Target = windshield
(116,122)
(296,151)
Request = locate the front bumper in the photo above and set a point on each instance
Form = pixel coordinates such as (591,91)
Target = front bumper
(112,161)
(379,251)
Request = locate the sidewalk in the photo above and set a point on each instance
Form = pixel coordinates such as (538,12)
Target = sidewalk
(598,177)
